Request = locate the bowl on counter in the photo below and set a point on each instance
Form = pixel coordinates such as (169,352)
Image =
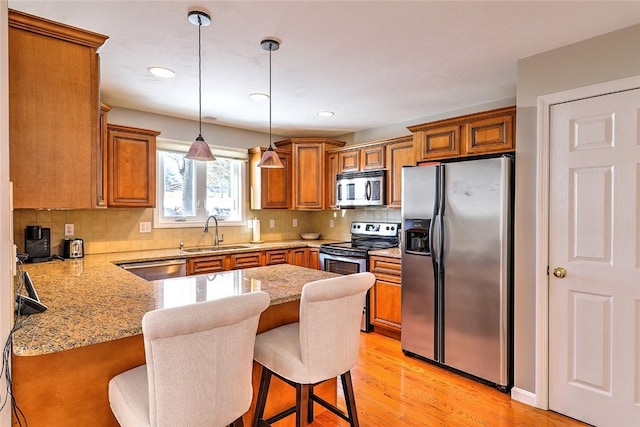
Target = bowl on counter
(310,236)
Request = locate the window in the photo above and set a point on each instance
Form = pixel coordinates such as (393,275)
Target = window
(189,191)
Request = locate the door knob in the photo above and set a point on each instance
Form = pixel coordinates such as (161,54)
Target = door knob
(559,272)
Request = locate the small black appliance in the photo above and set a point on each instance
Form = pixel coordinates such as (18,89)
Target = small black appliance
(37,243)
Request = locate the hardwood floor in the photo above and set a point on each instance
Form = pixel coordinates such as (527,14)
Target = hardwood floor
(395,390)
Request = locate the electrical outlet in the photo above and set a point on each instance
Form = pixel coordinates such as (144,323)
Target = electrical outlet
(272,223)
(68,230)
(295,222)
(331,223)
(250,224)
(145,227)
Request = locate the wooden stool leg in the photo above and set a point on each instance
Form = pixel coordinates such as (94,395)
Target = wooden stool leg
(350,398)
(265,380)
(237,423)
(302,404)
(310,410)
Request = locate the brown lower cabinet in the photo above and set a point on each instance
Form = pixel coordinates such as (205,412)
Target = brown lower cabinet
(385,296)
(302,257)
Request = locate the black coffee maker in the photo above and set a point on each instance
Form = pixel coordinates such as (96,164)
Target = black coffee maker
(37,243)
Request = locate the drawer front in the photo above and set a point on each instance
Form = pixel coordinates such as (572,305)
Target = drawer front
(275,257)
(246,260)
(208,264)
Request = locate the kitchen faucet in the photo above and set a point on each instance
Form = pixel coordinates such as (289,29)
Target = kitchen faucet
(216,240)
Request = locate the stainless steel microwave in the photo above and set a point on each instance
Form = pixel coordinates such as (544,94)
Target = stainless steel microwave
(361,188)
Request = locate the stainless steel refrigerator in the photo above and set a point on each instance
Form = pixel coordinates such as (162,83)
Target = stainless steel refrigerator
(457,262)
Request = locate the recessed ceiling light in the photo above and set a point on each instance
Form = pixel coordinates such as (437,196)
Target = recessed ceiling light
(161,72)
(259,97)
(325,113)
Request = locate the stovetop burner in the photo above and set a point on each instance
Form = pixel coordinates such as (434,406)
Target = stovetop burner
(365,237)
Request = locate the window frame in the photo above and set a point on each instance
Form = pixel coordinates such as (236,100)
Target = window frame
(240,154)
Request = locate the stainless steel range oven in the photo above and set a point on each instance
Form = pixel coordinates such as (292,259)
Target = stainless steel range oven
(353,256)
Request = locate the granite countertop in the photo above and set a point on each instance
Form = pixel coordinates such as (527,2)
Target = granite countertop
(92,300)
(390,253)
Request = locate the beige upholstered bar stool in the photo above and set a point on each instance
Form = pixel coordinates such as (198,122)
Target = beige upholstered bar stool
(324,344)
(199,365)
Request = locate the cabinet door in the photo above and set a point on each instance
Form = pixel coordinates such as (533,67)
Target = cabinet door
(276,184)
(332,172)
(299,257)
(385,297)
(314,258)
(372,158)
(387,300)
(438,143)
(132,167)
(270,188)
(53,122)
(490,135)
(276,256)
(309,176)
(244,260)
(207,264)
(399,154)
(349,161)
(103,170)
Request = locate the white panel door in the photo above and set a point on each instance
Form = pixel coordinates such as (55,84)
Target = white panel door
(594,226)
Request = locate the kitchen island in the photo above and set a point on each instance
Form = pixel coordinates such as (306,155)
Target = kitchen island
(64,358)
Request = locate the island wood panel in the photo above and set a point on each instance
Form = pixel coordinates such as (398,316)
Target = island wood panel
(70,388)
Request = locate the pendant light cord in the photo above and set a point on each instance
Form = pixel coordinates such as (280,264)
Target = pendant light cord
(270,136)
(199,75)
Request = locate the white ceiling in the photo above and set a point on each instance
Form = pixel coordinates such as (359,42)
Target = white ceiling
(373,63)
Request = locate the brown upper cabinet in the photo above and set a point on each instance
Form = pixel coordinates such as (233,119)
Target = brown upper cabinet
(131,166)
(309,170)
(474,134)
(103,174)
(270,188)
(390,154)
(361,159)
(332,172)
(399,153)
(54,120)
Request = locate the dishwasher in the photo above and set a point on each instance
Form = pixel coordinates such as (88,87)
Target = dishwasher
(158,270)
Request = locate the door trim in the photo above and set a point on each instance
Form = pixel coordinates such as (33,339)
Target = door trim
(545,103)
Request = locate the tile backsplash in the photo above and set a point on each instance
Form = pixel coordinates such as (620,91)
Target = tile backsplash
(117,230)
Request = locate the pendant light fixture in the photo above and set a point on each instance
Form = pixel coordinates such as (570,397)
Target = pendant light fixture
(199,150)
(270,158)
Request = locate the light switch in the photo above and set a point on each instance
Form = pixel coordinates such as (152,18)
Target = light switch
(145,227)
(331,223)
(295,222)
(272,223)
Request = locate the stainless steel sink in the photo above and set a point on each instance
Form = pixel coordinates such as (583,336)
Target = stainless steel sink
(214,248)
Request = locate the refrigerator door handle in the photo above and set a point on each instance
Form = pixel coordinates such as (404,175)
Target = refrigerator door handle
(434,230)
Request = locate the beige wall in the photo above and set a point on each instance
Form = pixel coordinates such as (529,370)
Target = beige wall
(608,57)
(114,230)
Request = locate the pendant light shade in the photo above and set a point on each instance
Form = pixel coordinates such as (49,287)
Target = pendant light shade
(270,158)
(199,150)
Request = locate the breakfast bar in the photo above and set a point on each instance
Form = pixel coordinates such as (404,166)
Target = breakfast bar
(64,358)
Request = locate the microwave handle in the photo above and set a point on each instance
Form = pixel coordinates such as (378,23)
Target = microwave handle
(367,190)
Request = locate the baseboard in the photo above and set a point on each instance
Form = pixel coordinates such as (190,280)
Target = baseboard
(523,396)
